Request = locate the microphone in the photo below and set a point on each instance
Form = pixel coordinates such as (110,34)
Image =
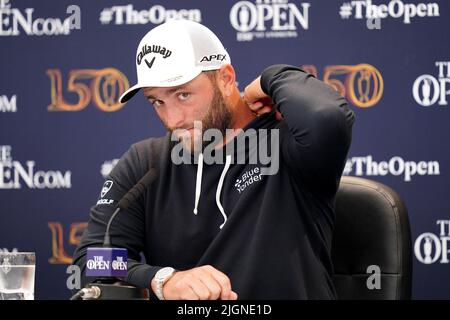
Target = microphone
(134,193)
(108,263)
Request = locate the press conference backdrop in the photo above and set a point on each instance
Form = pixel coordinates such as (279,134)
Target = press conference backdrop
(63,65)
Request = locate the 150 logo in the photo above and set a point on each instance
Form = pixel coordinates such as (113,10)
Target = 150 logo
(105,87)
(59,254)
(361,84)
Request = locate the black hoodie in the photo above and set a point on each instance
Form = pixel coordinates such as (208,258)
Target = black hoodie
(271,234)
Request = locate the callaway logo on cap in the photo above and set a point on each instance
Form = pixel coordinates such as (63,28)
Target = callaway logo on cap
(174,53)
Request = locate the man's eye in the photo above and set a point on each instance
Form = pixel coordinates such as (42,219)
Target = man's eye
(184,95)
(157,103)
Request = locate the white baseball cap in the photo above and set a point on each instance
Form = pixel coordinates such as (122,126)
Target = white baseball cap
(174,53)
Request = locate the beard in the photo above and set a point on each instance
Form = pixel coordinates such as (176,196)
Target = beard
(217,116)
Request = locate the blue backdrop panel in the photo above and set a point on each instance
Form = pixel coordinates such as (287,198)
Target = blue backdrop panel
(61,127)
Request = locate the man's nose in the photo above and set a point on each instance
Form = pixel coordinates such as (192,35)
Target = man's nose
(175,117)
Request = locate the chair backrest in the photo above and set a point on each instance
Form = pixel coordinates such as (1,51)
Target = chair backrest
(371,229)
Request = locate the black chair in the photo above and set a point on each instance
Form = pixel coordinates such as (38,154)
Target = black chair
(371,228)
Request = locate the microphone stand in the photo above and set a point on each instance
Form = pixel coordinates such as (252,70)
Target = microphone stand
(106,288)
(110,289)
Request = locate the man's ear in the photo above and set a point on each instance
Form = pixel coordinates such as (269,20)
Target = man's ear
(226,79)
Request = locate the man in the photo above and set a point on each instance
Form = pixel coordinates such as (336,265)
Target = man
(227,229)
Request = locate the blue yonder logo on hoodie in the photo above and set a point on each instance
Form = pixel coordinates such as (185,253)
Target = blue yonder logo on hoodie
(248,178)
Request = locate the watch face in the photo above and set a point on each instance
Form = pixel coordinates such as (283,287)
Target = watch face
(164,272)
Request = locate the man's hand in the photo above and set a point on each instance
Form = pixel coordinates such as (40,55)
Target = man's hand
(257,100)
(201,283)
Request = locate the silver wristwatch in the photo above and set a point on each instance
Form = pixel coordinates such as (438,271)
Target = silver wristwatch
(161,278)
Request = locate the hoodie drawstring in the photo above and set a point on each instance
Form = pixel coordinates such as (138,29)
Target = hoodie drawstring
(219,189)
(198,186)
(198,183)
